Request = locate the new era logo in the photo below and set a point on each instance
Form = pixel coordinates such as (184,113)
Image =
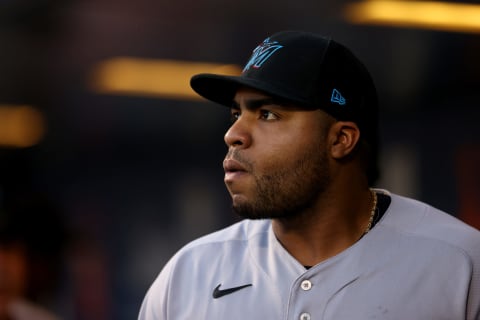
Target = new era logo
(338,98)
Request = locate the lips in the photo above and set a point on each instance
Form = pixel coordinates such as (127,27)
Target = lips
(233,170)
(231,165)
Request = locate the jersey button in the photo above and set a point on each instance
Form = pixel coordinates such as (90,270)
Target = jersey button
(305,316)
(306,285)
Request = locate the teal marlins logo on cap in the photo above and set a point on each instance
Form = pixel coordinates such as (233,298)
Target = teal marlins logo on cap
(261,53)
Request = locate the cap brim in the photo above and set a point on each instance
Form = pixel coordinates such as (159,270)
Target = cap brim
(221,88)
(217,88)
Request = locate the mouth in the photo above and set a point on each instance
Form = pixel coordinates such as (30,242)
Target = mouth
(231,165)
(233,170)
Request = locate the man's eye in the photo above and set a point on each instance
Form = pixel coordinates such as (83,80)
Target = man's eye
(234,115)
(267,115)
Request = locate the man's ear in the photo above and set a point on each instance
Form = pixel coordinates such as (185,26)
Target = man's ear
(344,137)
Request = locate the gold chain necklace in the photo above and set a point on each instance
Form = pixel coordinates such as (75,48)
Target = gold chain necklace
(372,212)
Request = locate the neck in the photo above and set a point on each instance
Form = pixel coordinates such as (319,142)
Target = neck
(335,223)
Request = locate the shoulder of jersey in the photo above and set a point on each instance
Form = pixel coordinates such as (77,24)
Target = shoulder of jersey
(419,219)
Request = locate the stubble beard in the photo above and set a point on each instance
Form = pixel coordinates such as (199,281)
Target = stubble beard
(288,191)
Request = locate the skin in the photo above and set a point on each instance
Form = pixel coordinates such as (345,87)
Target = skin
(297,167)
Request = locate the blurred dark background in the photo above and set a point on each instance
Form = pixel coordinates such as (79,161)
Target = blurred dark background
(135,177)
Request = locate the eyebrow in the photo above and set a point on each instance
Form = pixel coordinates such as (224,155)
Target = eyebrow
(255,104)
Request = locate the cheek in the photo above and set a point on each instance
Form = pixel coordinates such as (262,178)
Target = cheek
(286,154)
(299,136)
(283,145)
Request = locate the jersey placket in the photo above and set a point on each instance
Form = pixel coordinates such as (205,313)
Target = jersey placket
(311,292)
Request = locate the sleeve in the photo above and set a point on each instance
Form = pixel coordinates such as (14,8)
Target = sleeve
(155,303)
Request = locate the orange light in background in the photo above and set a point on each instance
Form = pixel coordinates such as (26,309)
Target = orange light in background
(148,77)
(20,126)
(433,15)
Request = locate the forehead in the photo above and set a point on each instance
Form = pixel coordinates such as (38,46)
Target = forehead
(245,93)
(254,99)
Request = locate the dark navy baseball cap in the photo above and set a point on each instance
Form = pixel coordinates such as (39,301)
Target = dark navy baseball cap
(307,70)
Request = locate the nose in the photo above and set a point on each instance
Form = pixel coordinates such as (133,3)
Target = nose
(238,135)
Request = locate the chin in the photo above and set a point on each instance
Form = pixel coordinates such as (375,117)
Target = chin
(249,211)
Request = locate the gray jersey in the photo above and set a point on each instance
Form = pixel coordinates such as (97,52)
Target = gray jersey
(417,263)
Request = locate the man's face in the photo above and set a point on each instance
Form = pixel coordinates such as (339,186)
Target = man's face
(277,163)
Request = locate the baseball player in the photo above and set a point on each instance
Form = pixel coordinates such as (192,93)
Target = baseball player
(317,241)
